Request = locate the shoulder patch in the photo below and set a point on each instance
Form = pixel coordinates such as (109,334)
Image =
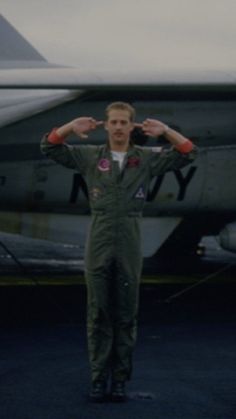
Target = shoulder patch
(104,165)
(140,193)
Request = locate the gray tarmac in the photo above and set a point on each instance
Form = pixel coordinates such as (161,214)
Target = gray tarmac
(184,362)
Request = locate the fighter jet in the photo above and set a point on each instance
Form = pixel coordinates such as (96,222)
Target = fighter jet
(43,200)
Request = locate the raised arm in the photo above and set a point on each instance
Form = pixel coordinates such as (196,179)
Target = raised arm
(79,126)
(161,161)
(155,128)
(53,145)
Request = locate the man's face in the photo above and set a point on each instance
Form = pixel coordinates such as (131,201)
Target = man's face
(119,127)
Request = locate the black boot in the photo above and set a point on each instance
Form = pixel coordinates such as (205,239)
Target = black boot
(118,393)
(98,392)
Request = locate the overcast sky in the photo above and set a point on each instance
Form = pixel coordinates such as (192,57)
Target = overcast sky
(143,34)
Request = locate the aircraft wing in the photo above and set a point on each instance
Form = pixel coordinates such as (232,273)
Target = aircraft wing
(20,61)
(28,91)
(72,78)
(29,84)
(17,105)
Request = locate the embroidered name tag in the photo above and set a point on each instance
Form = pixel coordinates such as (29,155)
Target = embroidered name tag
(133,162)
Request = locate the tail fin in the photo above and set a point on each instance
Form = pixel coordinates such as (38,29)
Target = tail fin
(15,48)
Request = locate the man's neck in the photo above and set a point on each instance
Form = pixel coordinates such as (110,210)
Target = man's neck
(119,147)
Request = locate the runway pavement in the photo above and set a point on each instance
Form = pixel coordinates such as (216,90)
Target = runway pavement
(184,361)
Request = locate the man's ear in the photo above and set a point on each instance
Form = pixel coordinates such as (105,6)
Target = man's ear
(105,125)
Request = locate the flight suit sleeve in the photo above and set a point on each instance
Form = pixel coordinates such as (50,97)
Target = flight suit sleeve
(169,159)
(73,157)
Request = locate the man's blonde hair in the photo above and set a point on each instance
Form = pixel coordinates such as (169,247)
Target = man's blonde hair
(121,106)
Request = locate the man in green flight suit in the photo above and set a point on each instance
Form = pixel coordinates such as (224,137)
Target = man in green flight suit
(117,175)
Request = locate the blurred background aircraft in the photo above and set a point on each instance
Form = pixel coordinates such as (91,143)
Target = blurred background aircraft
(39,199)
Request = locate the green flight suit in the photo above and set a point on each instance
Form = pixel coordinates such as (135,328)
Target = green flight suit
(113,258)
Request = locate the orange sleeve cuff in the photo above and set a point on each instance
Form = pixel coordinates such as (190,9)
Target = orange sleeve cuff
(54,138)
(185,147)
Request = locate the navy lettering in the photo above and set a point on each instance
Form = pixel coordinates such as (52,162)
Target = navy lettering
(77,185)
(184,181)
(153,193)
